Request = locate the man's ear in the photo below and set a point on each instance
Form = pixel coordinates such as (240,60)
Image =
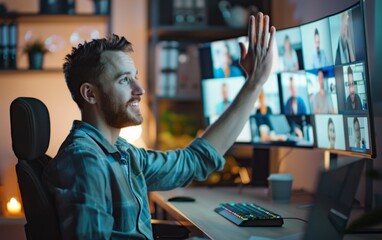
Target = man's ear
(87,91)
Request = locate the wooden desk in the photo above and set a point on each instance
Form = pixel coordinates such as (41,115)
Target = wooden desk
(201,219)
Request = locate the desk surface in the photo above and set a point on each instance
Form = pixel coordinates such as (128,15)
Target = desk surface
(201,215)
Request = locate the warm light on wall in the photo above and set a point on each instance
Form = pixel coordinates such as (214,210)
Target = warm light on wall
(133,135)
(13,207)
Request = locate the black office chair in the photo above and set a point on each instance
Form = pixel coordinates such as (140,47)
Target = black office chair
(30,130)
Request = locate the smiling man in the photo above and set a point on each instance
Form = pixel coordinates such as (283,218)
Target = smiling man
(99,181)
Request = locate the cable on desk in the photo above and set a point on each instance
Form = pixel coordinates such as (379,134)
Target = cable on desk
(294,218)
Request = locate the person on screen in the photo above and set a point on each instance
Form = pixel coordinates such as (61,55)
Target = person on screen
(353,101)
(357,133)
(224,104)
(331,134)
(319,57)
(332,88)
(226,68)
(263,108)
(295,104)
(289,59)
(322,102)
(345,52)
(363,143)
(99,181)
(261,116)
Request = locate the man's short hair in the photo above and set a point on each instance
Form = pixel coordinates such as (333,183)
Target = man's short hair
(350,70)
(84,64)
(330,121)
(355,120)
(316,32)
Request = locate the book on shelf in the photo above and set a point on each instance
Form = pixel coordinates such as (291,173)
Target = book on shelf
(8,45)
(178,70)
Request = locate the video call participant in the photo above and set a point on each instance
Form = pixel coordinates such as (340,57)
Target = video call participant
(263,108)
(226,68)
(98,180)
(261,116)
(353,101)
(295,104)
(322,101)
(290,60)
(345,52)
(331,134)
(223,104)
(357,133)
(319,57)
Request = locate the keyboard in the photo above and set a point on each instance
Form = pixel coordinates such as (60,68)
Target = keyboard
(249,215)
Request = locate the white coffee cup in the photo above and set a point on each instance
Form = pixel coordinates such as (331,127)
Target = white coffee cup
(280,186)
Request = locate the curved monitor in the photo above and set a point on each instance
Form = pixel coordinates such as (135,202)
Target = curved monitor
(318,95)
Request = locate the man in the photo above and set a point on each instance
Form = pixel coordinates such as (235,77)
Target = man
(353,101)
(225,102)
(322,102)
(319,58)
(345,52)
(98,180)
(295,105)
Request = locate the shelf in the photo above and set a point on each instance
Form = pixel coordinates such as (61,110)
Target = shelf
(196,32)
(178,98)
(36,17)
(30,71)
(54,18)
(166,38)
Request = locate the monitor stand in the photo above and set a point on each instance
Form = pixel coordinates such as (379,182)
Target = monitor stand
(331,162)
(260,167)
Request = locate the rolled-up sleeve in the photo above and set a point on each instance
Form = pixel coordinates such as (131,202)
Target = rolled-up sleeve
(171,169)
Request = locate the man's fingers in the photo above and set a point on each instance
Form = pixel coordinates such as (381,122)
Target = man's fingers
(259,35)
(272,39)
(243,51)
(251,33)
(266,33)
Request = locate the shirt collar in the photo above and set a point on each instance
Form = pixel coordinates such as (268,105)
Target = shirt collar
(97,136)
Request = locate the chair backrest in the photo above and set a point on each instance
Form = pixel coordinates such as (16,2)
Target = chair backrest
(30,131)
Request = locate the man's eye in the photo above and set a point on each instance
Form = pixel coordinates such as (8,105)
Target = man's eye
(125,80)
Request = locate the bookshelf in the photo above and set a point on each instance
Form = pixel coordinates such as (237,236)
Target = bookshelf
(176,27)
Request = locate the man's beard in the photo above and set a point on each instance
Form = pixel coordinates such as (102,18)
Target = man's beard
(117,114)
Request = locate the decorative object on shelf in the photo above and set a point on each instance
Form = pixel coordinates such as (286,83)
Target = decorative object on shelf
(57,6)
(236,16)
(102,7)
(13,207)
(190,12)
(36,51)
(82,34)
(55,43)
(3,8)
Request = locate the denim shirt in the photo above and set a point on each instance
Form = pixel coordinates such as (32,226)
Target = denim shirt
(100,189)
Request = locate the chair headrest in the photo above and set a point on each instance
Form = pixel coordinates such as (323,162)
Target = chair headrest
(30,128)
